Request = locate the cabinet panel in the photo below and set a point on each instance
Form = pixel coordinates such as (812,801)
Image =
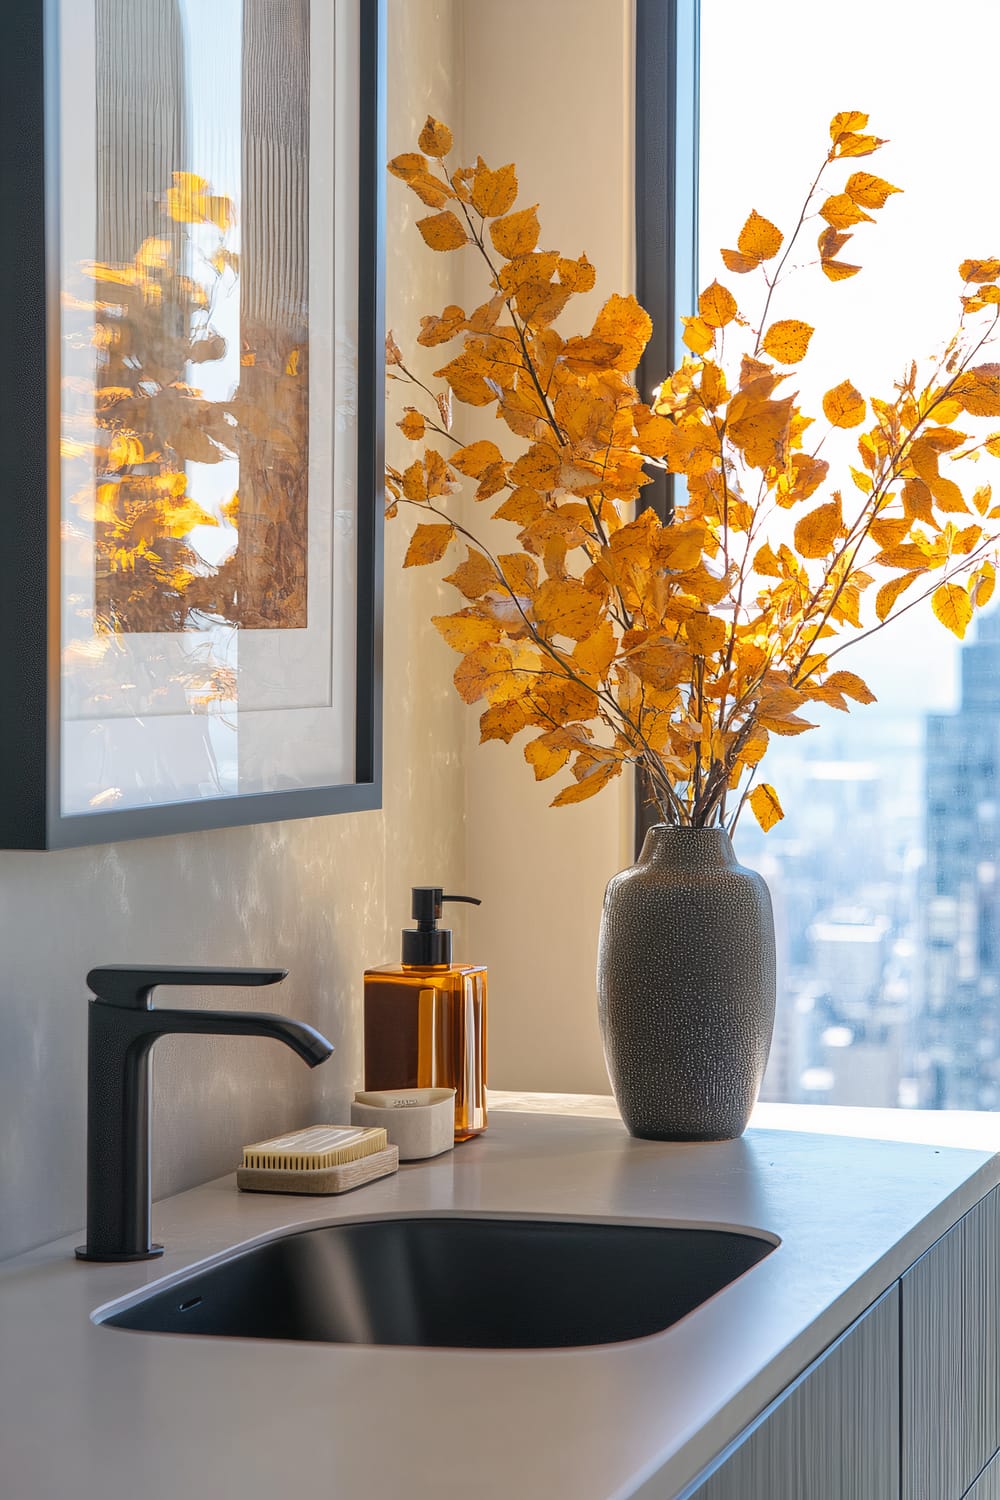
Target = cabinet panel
(987,1486)
(834,1434)
(950,1398)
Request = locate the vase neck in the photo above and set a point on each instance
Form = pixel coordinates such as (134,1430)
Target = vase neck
(666,846)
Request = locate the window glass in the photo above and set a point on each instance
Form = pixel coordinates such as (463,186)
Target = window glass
(886,870)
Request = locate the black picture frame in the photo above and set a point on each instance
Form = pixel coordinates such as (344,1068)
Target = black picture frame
(667,61)
(30,815)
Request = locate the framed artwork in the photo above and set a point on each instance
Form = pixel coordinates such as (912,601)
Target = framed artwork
(191,395)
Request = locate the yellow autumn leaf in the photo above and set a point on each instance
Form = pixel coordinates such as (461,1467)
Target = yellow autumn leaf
(983,585)
(589,785)
(850,684)
(838,270)
(697,335)
(413,425)
(953,608)
(816,533)
(475,457)
(475,577)
(548,753)
(564,606)
(578,275)
(766,807)
(476,673)
(717,305)
(840,212)
(493,193)
(869,191)
(759,237)
(979,270)
(622,321)
(442,231)
(435,138)
(705,633)
(516,234)
(407,166)
(787,341)
(843,406)
(465,630)
(594,654)
(427,544)
(845,121)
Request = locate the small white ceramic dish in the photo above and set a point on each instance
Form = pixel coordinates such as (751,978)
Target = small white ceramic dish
(420,1122)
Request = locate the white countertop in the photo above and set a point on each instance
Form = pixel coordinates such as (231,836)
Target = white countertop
(99,1413)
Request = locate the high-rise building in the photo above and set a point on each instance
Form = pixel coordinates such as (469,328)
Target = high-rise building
(959,1033)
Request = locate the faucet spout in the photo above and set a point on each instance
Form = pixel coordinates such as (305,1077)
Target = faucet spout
(310,1044)
(123,1025)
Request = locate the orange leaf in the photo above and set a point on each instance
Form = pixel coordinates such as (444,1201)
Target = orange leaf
(563,606)
(622,321)
(766,807)
(475,577)
(759,237)
(979,270)
(475,457)
(578,275)
(589,786)
(816,533)
(594,654)
(697,335)
(435,138)
(408,166)
(517,234)
(442,231)
(705,633)
(477,672)
(869,191)
(549,753)
(953,608)
(413,424)
(428,544)
(524,506)
(844,406)
(493,193)
(838,270)
(846,121)
(435,330)
(840,212)
(852,685)
(465,630)
(787,341)
(717,305)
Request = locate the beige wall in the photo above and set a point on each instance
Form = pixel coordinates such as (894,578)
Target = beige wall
(324,897)
(548,84)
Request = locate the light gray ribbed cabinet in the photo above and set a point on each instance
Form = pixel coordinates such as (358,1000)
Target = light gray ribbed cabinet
(950,1399)
(834,1433)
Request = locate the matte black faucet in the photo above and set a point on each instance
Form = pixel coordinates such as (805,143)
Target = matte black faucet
(122,1029)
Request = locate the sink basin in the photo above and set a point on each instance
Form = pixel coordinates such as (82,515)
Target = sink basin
(469,1283)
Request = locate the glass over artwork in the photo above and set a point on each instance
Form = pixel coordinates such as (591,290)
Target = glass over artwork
(208,230)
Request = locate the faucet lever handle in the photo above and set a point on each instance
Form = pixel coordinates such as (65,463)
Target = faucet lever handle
(121,984)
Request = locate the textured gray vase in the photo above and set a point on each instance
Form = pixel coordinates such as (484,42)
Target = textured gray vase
(686,984)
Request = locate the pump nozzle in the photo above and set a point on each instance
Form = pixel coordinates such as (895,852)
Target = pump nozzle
(428,945)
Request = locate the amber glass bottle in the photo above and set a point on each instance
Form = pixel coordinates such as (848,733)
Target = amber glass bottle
(425,1018)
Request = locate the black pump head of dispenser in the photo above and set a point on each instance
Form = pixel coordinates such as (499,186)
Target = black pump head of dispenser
(427,944)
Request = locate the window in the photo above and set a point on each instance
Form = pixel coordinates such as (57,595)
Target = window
(884,870)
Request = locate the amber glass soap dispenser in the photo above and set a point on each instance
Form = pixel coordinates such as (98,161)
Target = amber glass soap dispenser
(425,1018)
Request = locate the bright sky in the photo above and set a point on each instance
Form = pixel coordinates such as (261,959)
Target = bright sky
(773,75)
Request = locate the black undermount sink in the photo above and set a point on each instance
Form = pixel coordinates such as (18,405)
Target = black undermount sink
(469,1283)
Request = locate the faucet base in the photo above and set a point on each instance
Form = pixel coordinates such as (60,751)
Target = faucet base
(83,1253)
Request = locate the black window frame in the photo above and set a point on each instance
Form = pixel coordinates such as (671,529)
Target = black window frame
(667,88)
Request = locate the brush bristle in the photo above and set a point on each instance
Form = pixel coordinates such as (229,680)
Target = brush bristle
(314,1149)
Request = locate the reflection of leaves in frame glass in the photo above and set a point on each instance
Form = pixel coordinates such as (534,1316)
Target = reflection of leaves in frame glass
(168,248)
